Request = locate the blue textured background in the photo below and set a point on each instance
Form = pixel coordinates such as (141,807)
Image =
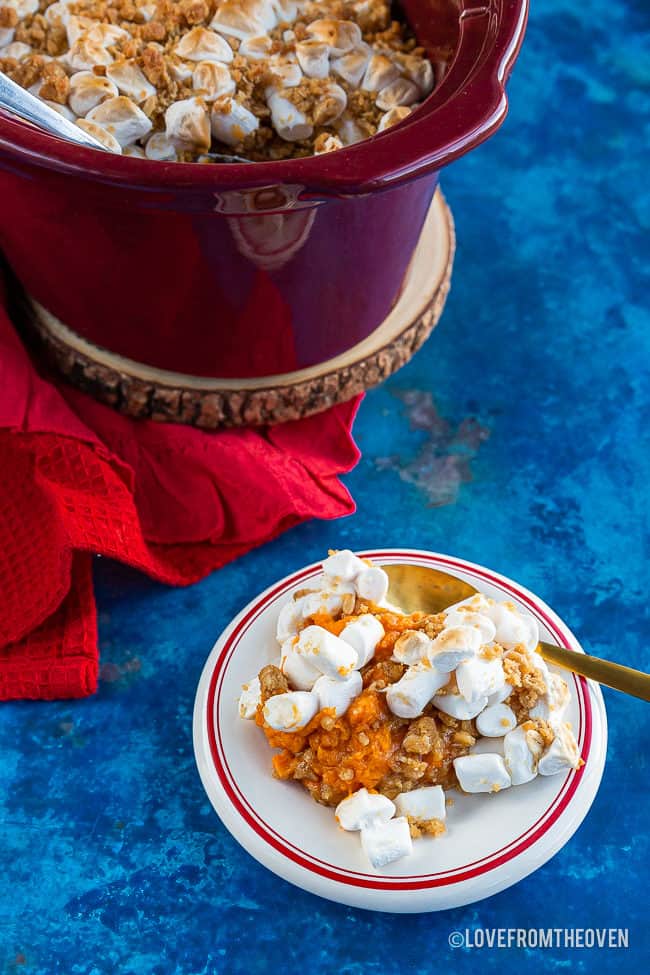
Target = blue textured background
(517,438)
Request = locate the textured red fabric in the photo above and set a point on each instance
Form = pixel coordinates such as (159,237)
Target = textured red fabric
(78,479)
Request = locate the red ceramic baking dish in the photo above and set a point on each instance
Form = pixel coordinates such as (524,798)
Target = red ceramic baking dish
(245,270)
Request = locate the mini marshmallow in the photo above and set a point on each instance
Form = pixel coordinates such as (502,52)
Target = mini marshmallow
(333,102)
(338,694)
(62,110)
(288,620)
(381,71)
(128,77)
(85,54)
(422,804)
(331,655)
(161,148)
(554,702)
(387,842)
(231,122)
(313,58)
(250,699)
(349,130)
(105,34)
(286,11)
(57,13)
(398,92)
(121,118)
(344,565)
(87,90)
(453,646)
(411,647)
(479,677)
(204,45)
(288,121)
(7,35)
(456,706)
(301,674)
(481,773)
(392,117)
(521,752)
(181,70)
(463,616)
(17,50)
(256,48)
(212,79)
(363,634)
(98,132)
(187,124)
(134,150)
(496,721)
(340,36)
(286,74)
(148,11)
(408,697)
(330,603)
(372,584)
(363,810)
(244,19)
(24,7)
(498,697)
(478,603)
(514,627)
(290,711)
(561,754)
(419,71)
(352,67)
(76,26)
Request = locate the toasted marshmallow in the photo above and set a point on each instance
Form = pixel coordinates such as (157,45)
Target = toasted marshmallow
(343,565)
(231,122)
(17,51)
(121,118)
(392,117)
(134,150)
(244,18)
(553,704)
(204,45)
(349,130)
(286,74)
(340,36)
(85,54)
(58,13)
(464,616)
(250,699)
(181,70)
(333,102)
(363,810)
(161,148)
(148,11)
(301,674)
(419,71)
(128,77)
(288,121)
(387,842)
(456,706)
(411,647)
(7,35)
(105,34)
(331,655)
(372,584)
(454,645)
(408,697)
(380,73)
(62,110)
(363,634)
(87,90)
(561,754)
(327,143)
(481,773)
(24,7)
(479,677)
(422,804)
(256,48)
(521,752)
(513,626)
(212,80)
(352,66)
(496,721)
(498,697)
(187,124)
(329,601)
(98,132)
(290,711)
(313,58)
(398,92)
(286,11)
(76,26)
(338,694)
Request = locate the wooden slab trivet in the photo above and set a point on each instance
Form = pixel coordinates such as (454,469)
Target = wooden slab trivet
(147,392)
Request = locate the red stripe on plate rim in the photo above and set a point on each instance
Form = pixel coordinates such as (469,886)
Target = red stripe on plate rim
(314,865)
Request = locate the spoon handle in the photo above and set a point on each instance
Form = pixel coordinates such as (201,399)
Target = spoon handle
(621,678)
(21,102)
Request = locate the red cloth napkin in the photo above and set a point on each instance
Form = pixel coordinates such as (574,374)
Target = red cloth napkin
(77,478)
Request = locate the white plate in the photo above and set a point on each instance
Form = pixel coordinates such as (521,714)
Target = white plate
(491,841)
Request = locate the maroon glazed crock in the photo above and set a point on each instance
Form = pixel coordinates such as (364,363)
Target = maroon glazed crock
(246,270)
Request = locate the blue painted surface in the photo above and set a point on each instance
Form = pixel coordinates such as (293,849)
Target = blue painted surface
(534,460)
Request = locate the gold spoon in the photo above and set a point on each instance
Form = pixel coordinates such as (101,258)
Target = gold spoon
(418,587)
